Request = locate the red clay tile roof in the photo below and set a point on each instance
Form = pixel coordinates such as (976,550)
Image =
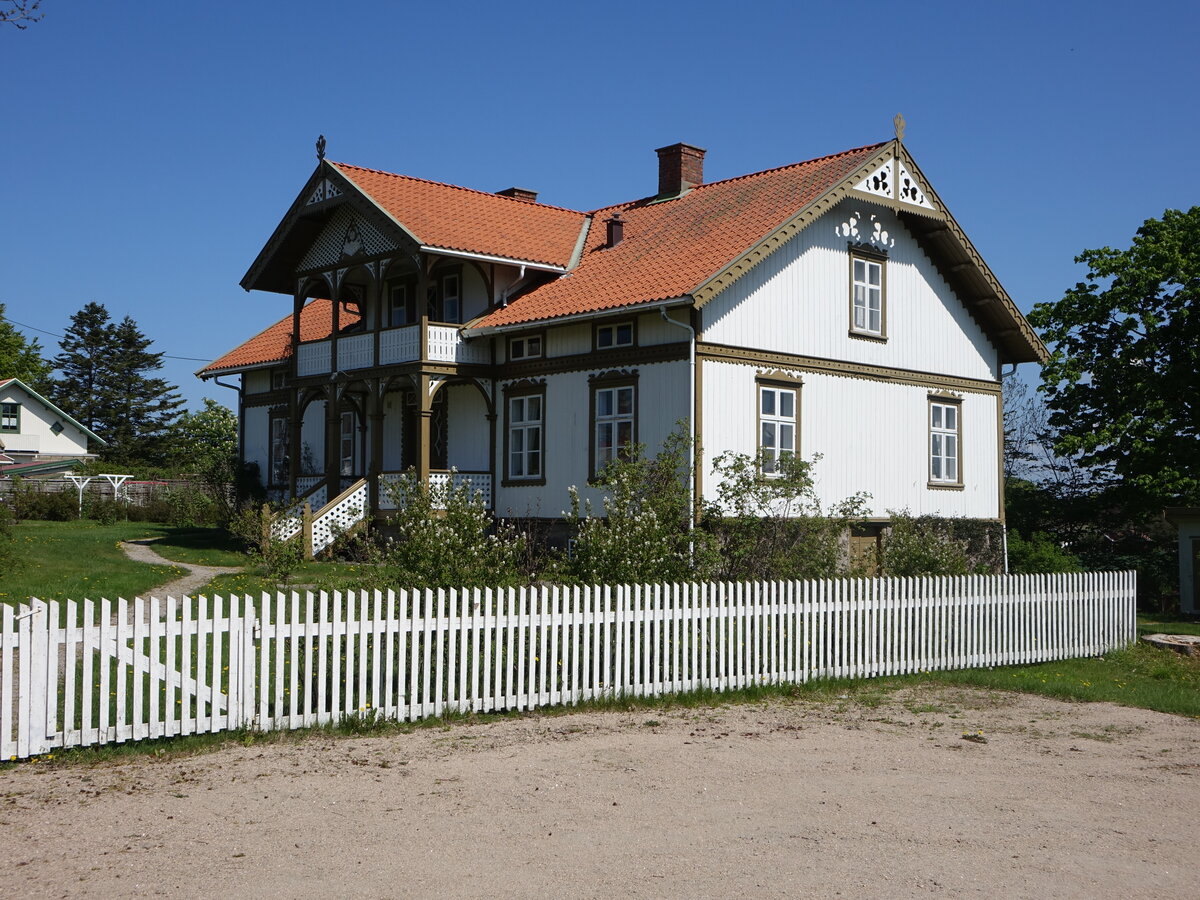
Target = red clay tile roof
(458,218)
(274,344)
(673,247)
(670,248)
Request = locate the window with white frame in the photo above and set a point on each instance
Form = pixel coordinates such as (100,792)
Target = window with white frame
(944,442)
(525,436)
(10,416)
(347,444)
(525,347)
(619,334)
(776,425)
(612,424)
(279,450)
(867,295)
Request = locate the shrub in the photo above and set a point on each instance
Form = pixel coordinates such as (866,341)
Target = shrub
(252,526)
(1038,554)
(644,535)
(775,527)
(445,537)
(918,546)
(58,506)
(7,553)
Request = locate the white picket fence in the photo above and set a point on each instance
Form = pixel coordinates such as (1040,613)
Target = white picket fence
(85,673)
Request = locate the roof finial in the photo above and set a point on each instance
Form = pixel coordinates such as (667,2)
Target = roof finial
(898,122)
(320,147)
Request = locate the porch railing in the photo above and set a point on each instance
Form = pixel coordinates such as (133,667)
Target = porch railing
(396,346)
(476,481)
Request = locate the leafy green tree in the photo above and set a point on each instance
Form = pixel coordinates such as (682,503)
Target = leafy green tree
(204,440)
(1121,382)
(105,383)
(22,358)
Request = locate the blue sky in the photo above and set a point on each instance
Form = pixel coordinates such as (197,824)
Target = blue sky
(150,147)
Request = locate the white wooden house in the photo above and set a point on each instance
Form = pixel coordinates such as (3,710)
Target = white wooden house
(36,437)
(830,307)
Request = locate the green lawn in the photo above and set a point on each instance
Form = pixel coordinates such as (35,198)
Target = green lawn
(315,576)
(202,546)
(74,560)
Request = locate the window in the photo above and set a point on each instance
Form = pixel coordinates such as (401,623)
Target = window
(10,416)
(278,380)
(525,418)
(525,347)
(868,314)
(617,335)
(776,425)
(347,444)
(400,307)
(450,299)
(279,450)
(944,442)
(612,423)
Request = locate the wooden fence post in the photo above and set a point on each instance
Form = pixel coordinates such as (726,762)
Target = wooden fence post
(306,519)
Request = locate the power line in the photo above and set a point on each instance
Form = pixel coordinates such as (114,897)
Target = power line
(60,337)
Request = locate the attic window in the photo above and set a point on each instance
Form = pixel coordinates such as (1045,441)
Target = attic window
(56,428)
(10,416)
(618,335)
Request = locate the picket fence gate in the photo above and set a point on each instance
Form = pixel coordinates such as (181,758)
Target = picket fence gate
(96,672)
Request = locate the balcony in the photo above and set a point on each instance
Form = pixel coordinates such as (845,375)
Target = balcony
(396,346)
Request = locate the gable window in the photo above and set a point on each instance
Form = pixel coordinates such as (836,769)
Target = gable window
(619,334)
(279,450)
(525,347)
(526,415)
(868,294)
(10,416)
(945,442)
(278,380)
(614,417)
(776,425)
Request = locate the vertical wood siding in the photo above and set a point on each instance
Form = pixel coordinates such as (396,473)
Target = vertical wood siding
(873,436)
(797,301)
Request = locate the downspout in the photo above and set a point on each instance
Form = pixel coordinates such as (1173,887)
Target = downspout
(241,417)
(691,413)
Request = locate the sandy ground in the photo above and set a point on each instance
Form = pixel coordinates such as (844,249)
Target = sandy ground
(795,799)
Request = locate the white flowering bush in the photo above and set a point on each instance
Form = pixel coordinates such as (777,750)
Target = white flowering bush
(922,545)
(644,534)
(445,537)
(775,527)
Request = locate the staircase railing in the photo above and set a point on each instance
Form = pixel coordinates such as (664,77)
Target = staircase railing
(341,514)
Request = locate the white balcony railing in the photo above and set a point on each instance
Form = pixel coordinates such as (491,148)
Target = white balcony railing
(357,351)
(312,358)
(477,481)
(399,345)
(447,345)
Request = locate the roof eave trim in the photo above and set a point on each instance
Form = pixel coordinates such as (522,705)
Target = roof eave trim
(486,257)
(611,312)
(207,372)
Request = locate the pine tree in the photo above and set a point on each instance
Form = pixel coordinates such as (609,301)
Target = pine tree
(103,383)
(144,408)
(22,358)
(81,387)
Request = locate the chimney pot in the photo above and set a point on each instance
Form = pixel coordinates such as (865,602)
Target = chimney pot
(519,194)
(680,168)
(616,229)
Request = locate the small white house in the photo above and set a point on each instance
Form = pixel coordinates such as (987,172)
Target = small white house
(830,307)
(36,437)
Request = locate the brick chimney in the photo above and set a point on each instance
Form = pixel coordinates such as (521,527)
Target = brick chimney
(616,229)
(519,194)
(680,167)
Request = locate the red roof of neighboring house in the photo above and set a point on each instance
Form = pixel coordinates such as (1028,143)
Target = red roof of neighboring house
(274,344)
(458,218)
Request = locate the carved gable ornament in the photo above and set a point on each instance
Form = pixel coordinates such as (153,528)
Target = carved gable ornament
(893,181)
(326,190)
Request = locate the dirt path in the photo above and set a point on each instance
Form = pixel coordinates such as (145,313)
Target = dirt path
(198,576)
(796,799)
